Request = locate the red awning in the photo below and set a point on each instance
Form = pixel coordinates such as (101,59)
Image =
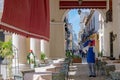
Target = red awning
(85,4)
(27,17)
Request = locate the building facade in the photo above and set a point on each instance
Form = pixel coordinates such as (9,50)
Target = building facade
(55,47)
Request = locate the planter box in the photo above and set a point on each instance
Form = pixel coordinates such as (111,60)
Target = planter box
(77,60)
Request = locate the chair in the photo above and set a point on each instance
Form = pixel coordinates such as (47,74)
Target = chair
(62,74)
(58,76)
(101,66)
(109,68)
(18,77)
(115,75)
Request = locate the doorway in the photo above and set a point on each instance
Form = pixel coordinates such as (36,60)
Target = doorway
(111,44)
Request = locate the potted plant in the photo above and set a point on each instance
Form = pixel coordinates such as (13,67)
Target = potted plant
(7,52)
(77,59)
(32,64)
(42,57)
(31,59)
(100,55)
(68,54)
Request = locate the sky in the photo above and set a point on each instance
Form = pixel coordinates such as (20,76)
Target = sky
(75,19)
(1,5)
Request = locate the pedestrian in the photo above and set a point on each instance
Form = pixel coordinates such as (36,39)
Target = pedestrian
(83,55)
(91,58)
(80,52)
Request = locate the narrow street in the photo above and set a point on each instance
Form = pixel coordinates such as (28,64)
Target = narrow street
(79,71)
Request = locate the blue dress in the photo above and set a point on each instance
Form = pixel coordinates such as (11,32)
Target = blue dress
(90,55)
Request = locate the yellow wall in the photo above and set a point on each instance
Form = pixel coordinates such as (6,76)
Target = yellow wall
(96,38)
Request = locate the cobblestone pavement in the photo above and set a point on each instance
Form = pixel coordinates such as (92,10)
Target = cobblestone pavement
(80,72)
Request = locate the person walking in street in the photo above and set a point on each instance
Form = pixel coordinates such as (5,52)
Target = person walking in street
(91,58)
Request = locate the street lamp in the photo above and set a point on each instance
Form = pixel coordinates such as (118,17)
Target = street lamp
(79,11)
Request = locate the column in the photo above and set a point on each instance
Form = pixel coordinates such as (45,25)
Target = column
(116,27)
(118,30)
(45,47)
(8,36)
(57,40)
(20,43)
(35,46)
